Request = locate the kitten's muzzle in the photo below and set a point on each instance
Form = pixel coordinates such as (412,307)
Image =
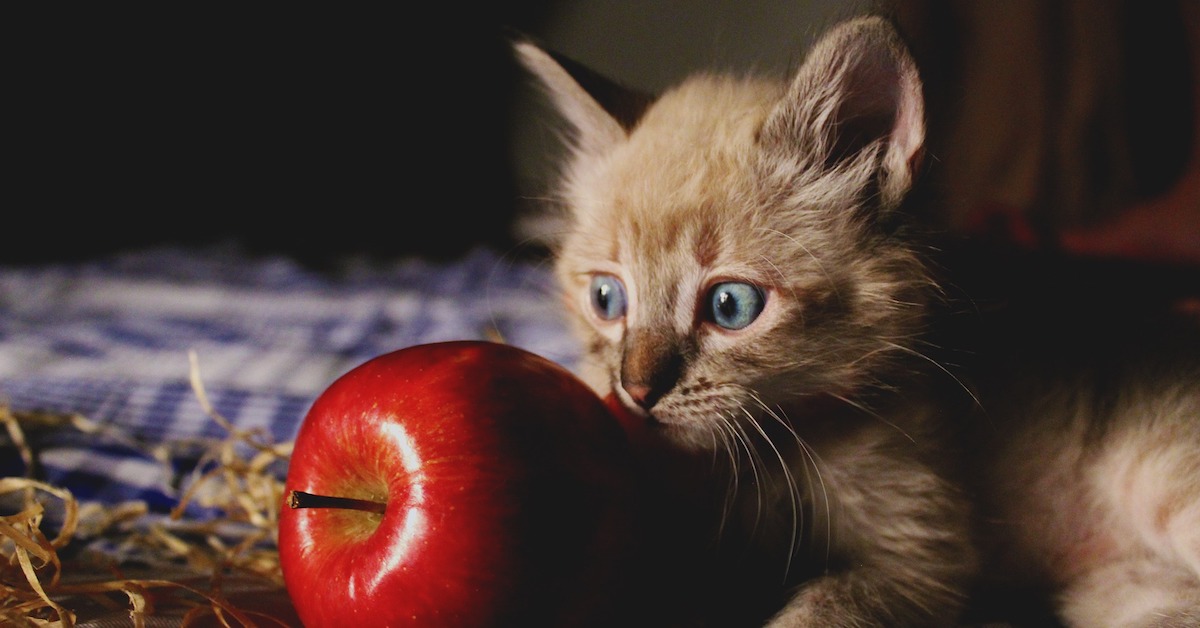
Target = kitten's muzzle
(651,364)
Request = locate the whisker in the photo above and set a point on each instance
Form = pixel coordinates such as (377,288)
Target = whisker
(812,457)
(789,480)
(945,370)
(873,413)
(727,439)
(812,462)
(815,259)
(754,461)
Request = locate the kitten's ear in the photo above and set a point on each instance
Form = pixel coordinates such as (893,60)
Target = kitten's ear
(856,102)
(601,111)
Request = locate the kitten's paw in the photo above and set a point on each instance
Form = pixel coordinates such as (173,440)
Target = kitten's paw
(852,601)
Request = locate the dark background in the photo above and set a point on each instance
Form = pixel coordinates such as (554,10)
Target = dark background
(401,131)
(314,132)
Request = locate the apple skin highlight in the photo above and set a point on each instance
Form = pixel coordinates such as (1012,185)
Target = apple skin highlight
(509,491)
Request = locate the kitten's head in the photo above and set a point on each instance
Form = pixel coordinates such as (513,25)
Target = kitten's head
(730,248)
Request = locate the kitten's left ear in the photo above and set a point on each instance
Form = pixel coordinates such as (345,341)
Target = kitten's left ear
(856,102)
(601,111)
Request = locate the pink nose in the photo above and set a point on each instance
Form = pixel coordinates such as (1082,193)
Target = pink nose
(640,393)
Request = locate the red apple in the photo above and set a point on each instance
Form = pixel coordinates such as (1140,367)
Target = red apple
(461,483)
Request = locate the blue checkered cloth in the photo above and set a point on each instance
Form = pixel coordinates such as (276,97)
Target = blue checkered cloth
(110,340)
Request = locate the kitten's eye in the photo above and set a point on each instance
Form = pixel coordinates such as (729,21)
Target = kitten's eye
(608,297)
(734,304)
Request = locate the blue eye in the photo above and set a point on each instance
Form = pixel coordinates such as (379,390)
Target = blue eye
(608,297)
(734,304)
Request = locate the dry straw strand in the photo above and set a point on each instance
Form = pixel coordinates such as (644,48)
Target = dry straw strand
(244,491)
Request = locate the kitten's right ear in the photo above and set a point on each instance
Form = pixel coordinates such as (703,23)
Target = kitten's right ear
(856,100)
(601,111)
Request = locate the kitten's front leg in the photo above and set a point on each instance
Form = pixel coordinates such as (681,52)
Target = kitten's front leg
(866,597)
(907,559)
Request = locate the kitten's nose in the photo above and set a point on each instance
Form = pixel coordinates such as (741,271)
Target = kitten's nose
(650,366)
(640,394)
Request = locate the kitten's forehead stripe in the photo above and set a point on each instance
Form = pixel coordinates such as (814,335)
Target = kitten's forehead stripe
(707,243)
(614,249)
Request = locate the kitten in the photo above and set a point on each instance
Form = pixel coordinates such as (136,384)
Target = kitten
(736,282)
(739,273)
(1085,463)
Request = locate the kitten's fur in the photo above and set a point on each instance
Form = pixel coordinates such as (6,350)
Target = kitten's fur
(828,443)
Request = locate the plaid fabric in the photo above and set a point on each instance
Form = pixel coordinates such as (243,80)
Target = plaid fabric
(110,340)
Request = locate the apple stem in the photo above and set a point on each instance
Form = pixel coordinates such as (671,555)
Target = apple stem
(300,499)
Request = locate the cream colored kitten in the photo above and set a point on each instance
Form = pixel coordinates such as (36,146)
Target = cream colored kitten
(741,283)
